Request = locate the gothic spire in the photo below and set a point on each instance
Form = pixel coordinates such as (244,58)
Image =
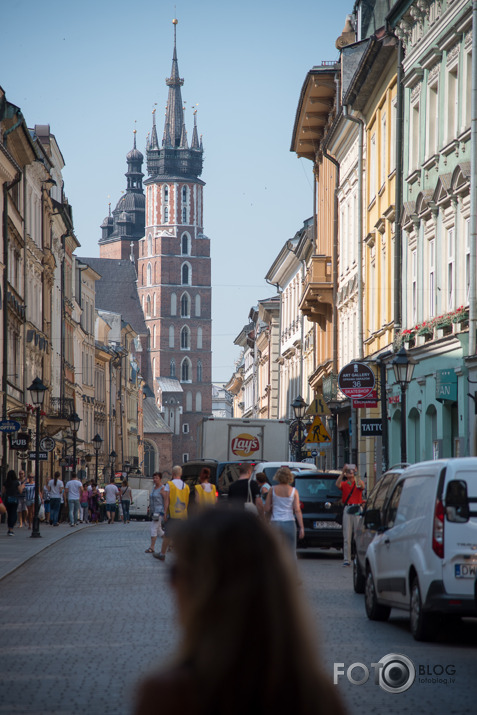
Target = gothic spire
(153,143)
(195,137)
(174,116)
(184,132)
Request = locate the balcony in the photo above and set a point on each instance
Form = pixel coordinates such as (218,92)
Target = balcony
(58,413)
(317,297)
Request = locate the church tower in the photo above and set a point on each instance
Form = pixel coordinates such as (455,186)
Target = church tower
(122,231)
(174,279)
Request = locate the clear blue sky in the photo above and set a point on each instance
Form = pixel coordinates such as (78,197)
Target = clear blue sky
(94,71)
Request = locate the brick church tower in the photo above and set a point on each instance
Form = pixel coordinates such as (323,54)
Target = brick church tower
(174,279)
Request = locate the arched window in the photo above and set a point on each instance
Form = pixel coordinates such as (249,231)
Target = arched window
(148,305)
(186,274)
(173,368)
(197,306)
(185,306)
(166,214)
(189,401)
(154,304)
(149,274)
(173,304)
(185,338)
(198,402)
(142,274)
(185,370)
(171,336)
(199,371)
(149,245)
(184,194)
(184,214)
(153,368)
(185,244)
(199,338)
(153,336)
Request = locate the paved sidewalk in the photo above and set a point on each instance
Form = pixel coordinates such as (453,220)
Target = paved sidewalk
(16,550)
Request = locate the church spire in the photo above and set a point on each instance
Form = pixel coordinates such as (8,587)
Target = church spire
(153,143)
(195,137)
(174,116)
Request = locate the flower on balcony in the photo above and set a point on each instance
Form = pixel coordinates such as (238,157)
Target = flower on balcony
(408,335)
(426,328)
(460,315)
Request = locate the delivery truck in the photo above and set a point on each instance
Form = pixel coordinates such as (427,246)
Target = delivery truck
(236,439)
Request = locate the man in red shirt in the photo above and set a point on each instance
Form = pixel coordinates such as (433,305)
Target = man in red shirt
(351,494)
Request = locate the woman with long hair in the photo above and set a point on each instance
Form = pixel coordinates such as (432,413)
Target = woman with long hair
(56,489)
(236,657)
(284,506)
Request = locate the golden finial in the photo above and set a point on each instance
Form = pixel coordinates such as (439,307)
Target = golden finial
(174,22)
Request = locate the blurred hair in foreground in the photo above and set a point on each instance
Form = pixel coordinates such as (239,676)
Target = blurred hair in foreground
(247,644)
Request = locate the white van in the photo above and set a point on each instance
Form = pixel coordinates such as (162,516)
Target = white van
(423,557)
(139,508)
(271,467)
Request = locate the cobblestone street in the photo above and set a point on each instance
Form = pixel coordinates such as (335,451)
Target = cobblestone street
(82,621)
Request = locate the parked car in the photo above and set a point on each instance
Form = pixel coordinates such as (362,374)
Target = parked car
(320,501)
(423,558)
(368,522)
(271,467)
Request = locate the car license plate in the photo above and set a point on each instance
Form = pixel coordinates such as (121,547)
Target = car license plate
(465,570)
(326,525)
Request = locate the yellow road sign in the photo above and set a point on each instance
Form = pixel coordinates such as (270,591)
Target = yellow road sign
(317,432)
(318,406)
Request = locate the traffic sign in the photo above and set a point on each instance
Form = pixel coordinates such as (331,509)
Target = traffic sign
(318,406)
(47,444)
(356,380)
(317,432)
(42,456)
(20,441)
(9,426)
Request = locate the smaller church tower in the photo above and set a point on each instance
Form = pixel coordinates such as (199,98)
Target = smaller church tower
(174,279)
(122,230)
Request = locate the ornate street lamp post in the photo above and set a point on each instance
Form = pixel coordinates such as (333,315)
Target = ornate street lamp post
(74,424)
(37,391)
(299,408)
(112,457)
(97,442)
(403,366)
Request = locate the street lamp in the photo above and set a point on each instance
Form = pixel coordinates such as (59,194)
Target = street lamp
(127,468)
(74,424)
(37,391)
(299,408)
(403,366)
(112,457)
(97,442)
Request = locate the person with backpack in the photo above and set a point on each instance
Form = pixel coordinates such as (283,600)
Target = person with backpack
(176,503)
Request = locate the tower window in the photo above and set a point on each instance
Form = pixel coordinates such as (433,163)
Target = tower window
(185,306)
(186,274)
(185,338)
(149,274)
(185,370)
(185,244)
(166,214)
(184,215)
(173,368)
(184,194)
(148,305)
(166,194)
(199,371)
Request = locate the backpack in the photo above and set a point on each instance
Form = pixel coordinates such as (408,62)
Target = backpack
(179,500)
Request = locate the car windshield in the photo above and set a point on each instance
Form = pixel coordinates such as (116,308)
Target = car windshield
(317,487)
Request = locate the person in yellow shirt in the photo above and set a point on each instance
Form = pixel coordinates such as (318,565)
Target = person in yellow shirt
(205,494)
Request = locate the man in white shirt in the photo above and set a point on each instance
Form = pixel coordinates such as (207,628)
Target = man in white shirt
(110,493)
(73,490)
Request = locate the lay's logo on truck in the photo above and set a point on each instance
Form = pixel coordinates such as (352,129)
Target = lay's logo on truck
(245,445)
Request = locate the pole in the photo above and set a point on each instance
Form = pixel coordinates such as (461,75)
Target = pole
(96,469)
(74,452)
(300,432)
(35,532)
(384,417)
(403,424)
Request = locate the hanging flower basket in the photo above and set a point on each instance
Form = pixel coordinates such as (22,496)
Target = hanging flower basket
(461,315)
(407,336)
(425,329)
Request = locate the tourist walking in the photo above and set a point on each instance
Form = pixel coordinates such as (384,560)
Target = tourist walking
(73,491)
(93,504)
(29,494)
(205,494)
(156,510)
(351,496)
(84,513)
(263,485)
(11,492)
(110,494)
(55,488)
(176,503)
(21,507)
(46,503)
(126,500)
(284,506)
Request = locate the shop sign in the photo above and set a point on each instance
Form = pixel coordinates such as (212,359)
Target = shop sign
(446,386)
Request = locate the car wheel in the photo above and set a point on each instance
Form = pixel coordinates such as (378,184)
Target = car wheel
(374,610)
(422,624)
(359,580)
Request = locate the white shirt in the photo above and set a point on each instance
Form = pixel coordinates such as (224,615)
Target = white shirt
(178,483)
(55,491)
(74,487)
(110,493)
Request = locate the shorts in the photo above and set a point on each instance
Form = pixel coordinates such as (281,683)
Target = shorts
(156,528)
(170,527)
(110,507)
(29,502)
(21,504)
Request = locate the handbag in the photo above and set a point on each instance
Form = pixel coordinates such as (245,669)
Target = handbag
(250,505)
(41,513)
